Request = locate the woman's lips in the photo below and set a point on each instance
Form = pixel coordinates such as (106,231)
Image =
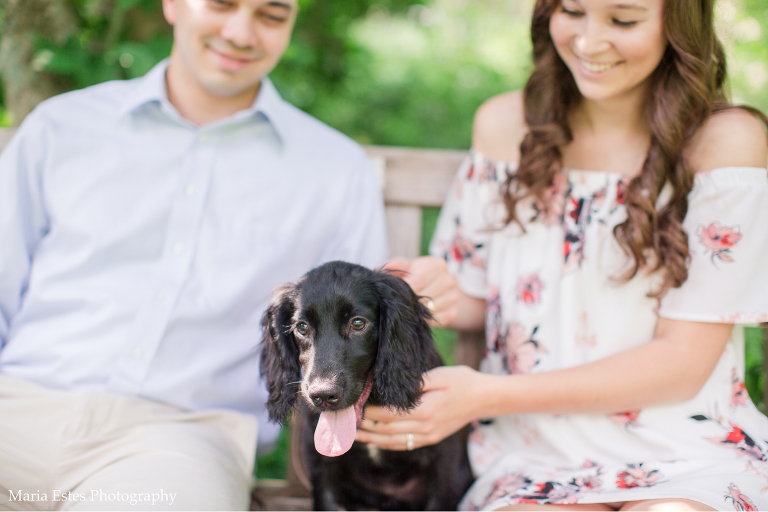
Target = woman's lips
(596,68)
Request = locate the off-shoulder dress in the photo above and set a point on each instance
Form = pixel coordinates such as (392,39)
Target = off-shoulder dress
(553,301)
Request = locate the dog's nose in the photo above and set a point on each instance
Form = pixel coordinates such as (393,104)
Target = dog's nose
(325,397)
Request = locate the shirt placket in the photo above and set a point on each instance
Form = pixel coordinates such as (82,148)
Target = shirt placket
(156,311)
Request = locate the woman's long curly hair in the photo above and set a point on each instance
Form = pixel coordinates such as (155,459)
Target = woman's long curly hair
(685,89)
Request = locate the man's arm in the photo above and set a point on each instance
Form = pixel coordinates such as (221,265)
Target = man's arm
(23,220)
(361,237)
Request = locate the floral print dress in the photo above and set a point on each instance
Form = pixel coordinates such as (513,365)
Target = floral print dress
(553,302)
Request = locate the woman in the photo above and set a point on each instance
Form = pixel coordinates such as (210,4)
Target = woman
(604,232)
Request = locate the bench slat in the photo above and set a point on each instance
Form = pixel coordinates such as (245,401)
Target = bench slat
(405,241)
(418,177)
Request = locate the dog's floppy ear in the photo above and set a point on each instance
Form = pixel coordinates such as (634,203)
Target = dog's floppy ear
(280,354)
(406,348)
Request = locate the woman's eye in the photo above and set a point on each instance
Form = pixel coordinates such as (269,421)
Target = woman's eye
(358,324)
(621,23)
(571,13)
(302,328)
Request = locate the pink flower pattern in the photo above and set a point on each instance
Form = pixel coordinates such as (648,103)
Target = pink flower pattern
(626,419)
(519,350)
(578,214)
(740,500)
(589,483)
(529,289)
(523,353)
(584,335)
(483,172)
(462,249)
(521,488)
(637,476)
(719,240)
(739,395)
(508,484)
(476,433)
(551,492)
(736,439)
(494,324)
(551,208)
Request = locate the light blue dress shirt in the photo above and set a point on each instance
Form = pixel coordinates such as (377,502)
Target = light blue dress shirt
(138,251)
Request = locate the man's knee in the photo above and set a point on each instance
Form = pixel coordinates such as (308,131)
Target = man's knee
(181,465)
(163,481)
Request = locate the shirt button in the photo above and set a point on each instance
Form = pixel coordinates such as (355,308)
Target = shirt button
(178,249)
(204,137)
(161,296)
(191,190)
(137,353)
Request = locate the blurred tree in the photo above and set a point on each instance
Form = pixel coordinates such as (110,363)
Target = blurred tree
(404,72)
(743,26)
(25,82)
(52,46)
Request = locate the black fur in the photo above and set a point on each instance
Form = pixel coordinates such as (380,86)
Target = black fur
(394,350)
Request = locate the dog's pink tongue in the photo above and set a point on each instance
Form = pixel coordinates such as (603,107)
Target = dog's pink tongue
(335,432)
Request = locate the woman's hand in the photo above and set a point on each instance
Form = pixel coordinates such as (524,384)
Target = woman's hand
(450,401)
(450,307)
(429,278)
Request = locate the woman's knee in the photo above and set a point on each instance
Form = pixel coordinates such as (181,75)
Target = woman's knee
(671,504)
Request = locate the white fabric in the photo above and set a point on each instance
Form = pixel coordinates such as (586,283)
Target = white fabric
(86,450)
(139,251)
(553,303)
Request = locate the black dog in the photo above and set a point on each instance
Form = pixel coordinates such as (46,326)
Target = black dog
(341,337)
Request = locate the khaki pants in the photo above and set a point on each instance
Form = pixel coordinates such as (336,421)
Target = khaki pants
(64,450)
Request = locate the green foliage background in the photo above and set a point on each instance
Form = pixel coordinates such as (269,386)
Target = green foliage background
(404,72)
(394,72)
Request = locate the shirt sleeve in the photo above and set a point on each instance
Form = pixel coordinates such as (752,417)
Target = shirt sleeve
(728,240)
(23,221)
(361,236)
(464,227)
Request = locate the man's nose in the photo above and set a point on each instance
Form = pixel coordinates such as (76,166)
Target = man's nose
(240,30)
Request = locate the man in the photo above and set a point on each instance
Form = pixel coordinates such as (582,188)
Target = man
(144,225)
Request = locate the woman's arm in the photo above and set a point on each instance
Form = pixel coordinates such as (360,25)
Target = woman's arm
(670,368)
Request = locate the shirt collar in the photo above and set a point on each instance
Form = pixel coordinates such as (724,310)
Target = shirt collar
(269,104)
(151,88)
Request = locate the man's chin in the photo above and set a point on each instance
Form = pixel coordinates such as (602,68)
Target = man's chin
(232,88)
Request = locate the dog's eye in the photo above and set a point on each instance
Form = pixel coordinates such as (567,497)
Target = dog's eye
(302,328)
(358,324)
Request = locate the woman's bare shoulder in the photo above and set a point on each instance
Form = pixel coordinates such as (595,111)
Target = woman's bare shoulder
(499,127)
(729,138)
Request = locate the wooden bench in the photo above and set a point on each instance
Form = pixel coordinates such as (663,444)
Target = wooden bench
(412,179)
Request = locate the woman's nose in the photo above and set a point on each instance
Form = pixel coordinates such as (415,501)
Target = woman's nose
(591,38)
